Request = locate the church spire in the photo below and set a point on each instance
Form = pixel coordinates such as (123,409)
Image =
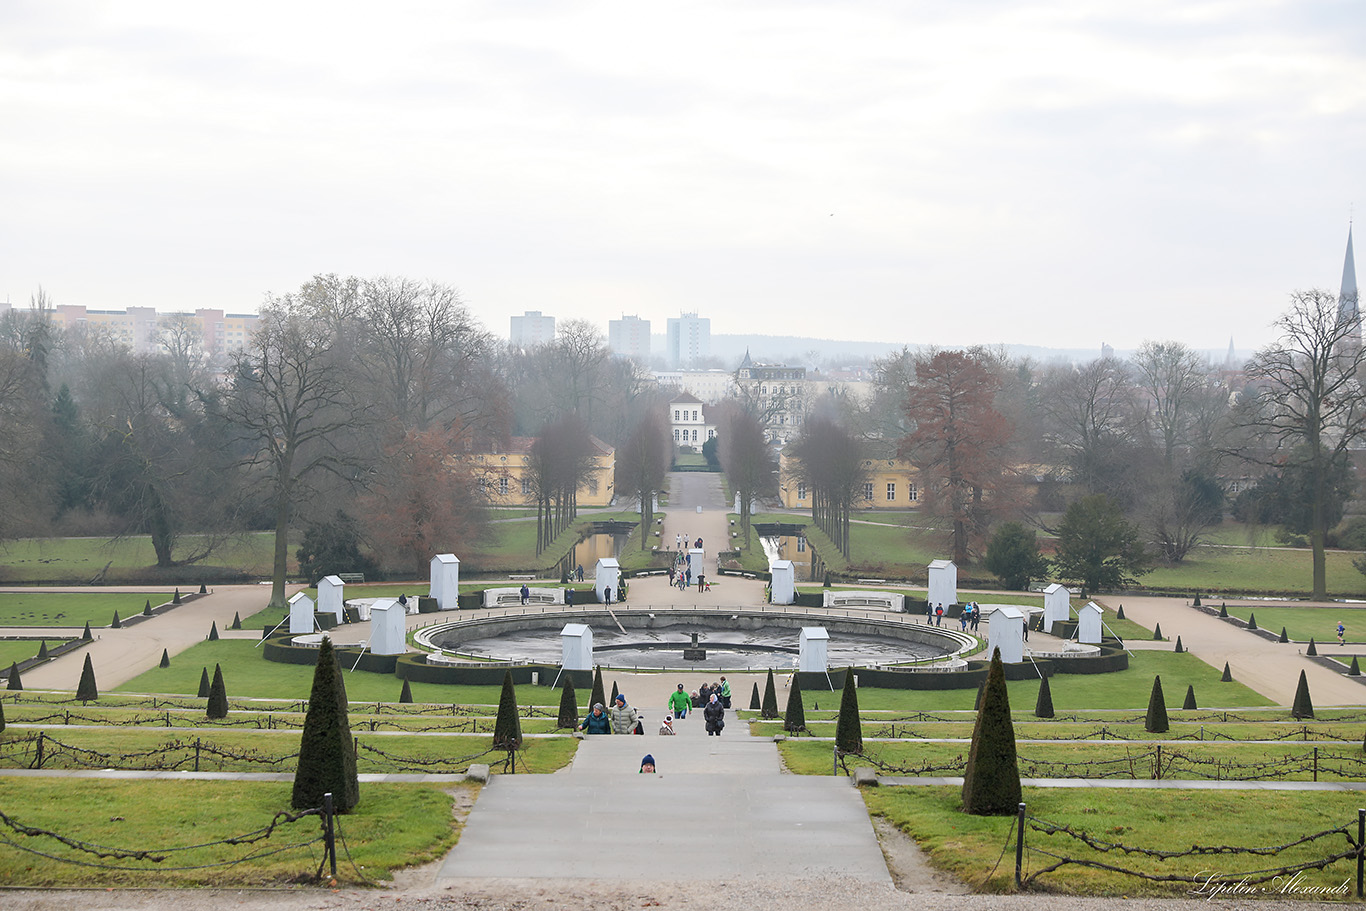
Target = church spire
(1348,293)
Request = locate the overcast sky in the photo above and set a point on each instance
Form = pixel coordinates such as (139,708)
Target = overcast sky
(1057,173)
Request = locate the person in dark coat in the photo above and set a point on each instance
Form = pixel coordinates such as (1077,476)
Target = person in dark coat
(597,721)
(715,714)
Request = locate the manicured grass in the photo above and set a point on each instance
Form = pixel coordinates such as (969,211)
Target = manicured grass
(393,826)
(77,560)
(970,847)
(72,609)
(1302,622)
(1269,571)
(247,674)
(13,650)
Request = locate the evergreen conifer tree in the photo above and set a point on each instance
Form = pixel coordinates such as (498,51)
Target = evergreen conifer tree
(1313,650)
(165,658)
(2,718)
(1355,669)
(1223,610)
(14,682)
(86,690)
(507,728)
(203,588)
(1179,647)
(977,703)
(598,694)
(175,599)
(86,634)
(1189,704)
(236,621)
(1043,706)
(327,754)
(1227,676)
(615,692)
(569,706)
(794,719)
(213,632)
(1251,621)
(1284,637)
(1155,722)
(849,727)
(991,782)
(405,695)
(42,650)
(147,608)
(218,696)
(769,708)
(754,701)
(117,623)
(204,684)
(1119,615)
(1303,706)
(1157,631)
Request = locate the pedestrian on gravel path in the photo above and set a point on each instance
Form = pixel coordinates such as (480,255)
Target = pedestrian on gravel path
(624,717)
(1342,634)
(715,715)
(679,703)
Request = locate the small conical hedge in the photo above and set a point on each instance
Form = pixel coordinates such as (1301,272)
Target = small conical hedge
(213,632)
(977,703)
(507,728)
(204,684)
(203,588)
(2,718)
(1197,599)
(1155,722)
(1178,645)
(1355,669)
(1284,637)
(794,719)
(405,695)
(615,693)
(1227,676)
(1189,704)
(14,683)
(1303,706)
(147,608)
(1313,650)
(1157,631)
(117,623)
(86,690)
(991,782)
(218,696)
(1119,614)
(175,599)
(327,754)
(569,706)
(754,702)
(769,708)
(1043,706)
(86,634)
(597,696)
(165,658)
(42,650)
(1223,611)
(1251,621)
(236,621)
(848,727)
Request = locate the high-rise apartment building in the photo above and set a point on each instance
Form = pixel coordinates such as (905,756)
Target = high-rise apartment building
(629,337)
(689,340)
(532,328)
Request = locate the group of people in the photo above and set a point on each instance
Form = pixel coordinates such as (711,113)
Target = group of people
(970,617)
(622,718)
(619,719)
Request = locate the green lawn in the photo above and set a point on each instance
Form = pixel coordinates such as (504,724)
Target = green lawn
(77,560)
(69,609)
(393,826)
(1269,571)
(1302,621)
(13,650)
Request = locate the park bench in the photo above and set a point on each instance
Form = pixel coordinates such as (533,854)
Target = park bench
(872,581)
(522,577)
(501,597)
(890,600)
(351,578)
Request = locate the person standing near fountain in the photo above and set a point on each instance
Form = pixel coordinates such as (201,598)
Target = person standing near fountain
(715,714)
(679,703)
(725,694)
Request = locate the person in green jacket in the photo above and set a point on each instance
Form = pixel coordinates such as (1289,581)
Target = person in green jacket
(725,693)
(679,703)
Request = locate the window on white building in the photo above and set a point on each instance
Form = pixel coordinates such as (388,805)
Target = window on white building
(694,436)
(676,438)
(676,413)
(710,434)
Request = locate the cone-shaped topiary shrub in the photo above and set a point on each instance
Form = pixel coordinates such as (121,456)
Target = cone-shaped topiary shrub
(218,696)
(147,608)
(1189,704)
(236,621)
(1223,610)
(175,599)
(117,623)
(769,708)
(991,782)
(1355,669)
(203,588)
(1303,706)
(795,718)
(1313,650)
(1227,675)
(507,728)
(14,682)
(615,692)
(1284,637)
(204,684)
(2,718)
(1251,621)
(1119,615)
(569,706)
(977,703)
(86,690)
(1197,599)
(213,632)
(848,727)
(1178,645)
(165,658)
(1043,706)
(42,650)
(564,578)
(327,754)
(826,584)
(405,695)
(598,694)
(1157,631)
(86,635)
(1155,722)
(754,702)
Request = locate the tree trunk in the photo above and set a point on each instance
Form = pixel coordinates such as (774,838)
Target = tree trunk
(277,579)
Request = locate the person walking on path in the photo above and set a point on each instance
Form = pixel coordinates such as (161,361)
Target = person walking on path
(725,694)
(624,717)
(1342,634)
(597,722)
(679,703)
(525,593)
(715,714)
(939,615)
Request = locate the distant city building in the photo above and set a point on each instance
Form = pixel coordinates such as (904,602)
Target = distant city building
(532,328)
(143,330)
(688,422)
(890,482)
(505,478)
(777,392)
(629,337)
(711,386)
(689,340)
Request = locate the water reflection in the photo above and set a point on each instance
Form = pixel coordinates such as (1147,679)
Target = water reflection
(794,548)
